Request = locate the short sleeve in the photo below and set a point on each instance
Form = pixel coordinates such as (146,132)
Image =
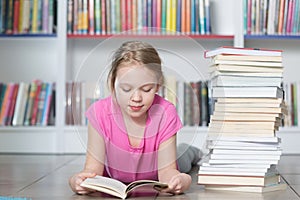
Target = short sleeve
(171,123)
(166,119)
(93,116)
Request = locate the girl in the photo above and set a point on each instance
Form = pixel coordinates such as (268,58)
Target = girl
(132,133)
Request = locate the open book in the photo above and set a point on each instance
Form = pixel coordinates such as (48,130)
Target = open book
(117,188)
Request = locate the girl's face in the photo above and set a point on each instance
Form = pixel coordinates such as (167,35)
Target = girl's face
(135,88)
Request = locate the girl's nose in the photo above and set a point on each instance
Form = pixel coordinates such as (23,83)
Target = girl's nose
(136,96)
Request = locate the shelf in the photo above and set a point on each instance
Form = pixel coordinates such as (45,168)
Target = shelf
(159,36)
(40,35)
(27,129)
(272,37)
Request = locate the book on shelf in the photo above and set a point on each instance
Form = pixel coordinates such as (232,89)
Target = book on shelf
(247,91)
(20,104)
(242,51)
(252,189)
(135,17)
(19,112)
(6,102)
(26,17)
(272,17)
(37,97)
(117,188)
(11,108)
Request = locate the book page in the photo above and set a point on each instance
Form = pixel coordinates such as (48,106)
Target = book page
(154,184)
(105,184)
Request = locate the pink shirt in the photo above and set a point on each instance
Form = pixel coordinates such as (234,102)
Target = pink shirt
(124,162)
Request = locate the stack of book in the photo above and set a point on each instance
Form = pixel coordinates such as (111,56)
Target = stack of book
(248,110)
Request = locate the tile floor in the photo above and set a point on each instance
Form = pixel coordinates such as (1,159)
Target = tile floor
(46,177)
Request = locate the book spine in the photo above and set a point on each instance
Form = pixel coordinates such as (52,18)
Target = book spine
(36,100)
(70,18)
(45,16)
(183,16)
(178,16)
(173,16)
(12,105)
(207,17)
(6,103)
(103,17)
(164,16)
(47,104)
(16,13)
(97,14)
(92,15)
(158,18)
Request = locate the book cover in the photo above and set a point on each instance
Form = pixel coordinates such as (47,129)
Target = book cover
(242,51)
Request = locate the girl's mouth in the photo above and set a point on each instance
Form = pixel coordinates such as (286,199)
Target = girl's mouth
(136,108)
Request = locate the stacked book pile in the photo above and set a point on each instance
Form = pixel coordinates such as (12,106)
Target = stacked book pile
(249,107)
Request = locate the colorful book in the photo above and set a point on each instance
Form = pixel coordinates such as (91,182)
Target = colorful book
(19,112)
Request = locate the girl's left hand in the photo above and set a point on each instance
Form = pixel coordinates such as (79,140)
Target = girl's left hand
(178,184)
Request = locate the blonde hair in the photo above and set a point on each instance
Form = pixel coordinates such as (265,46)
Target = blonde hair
(135,51)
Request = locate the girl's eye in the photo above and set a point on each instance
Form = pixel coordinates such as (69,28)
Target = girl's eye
(147,90)
(126,89)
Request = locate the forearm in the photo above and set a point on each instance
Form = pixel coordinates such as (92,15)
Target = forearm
(166,174)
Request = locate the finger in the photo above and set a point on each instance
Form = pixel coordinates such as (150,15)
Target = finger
(85,175)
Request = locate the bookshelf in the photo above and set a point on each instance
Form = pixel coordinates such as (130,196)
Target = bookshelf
(63,55)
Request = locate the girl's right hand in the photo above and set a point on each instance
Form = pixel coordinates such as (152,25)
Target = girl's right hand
(77,179)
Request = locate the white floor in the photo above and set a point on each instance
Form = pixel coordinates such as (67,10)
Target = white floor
(46,177)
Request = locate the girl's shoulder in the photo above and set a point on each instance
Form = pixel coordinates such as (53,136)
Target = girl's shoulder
(101,105)
(162,101)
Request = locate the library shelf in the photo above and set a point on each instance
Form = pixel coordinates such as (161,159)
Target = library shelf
(156,36)
(39,35)
(271,37)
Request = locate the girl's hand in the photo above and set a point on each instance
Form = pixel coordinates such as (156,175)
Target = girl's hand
(178,184)
(77,179)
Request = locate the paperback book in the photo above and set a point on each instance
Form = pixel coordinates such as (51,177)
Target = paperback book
(117,188)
